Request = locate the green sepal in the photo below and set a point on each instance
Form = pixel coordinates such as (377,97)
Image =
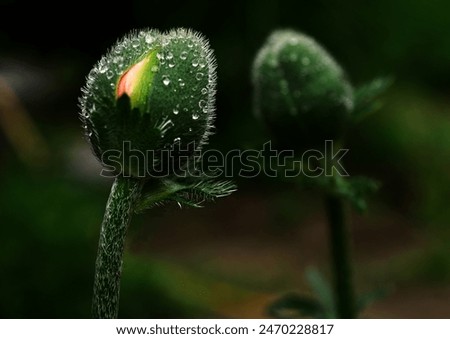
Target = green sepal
(185,192)
(367,99)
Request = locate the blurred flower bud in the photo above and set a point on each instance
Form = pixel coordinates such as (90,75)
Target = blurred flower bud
(152,90)
(301,93)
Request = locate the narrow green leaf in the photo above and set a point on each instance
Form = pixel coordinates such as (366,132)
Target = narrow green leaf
(366,98)
(322,290)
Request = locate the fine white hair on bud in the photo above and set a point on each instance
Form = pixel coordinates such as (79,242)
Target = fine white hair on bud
(152,89)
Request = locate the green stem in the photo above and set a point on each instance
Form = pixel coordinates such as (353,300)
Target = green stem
(340,252)
(108,267)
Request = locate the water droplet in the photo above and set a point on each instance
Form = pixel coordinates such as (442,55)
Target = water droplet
(109,74)
(190,44)
(118,60)
(199,76)
(164,41)
(293,41)
(195,62)
(202,64)
(171,65)
(202,103)
(176,111)
(135,43)
(169,56)
(194,116)
(273,62)
(181,82)
(183,55)
(166,80)
(284,87)
(204,91)
(154,68)
(177,140)
(306,61)
(149,39)
(160,56)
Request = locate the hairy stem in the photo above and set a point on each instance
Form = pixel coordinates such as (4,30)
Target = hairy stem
(108,267)
(340,252)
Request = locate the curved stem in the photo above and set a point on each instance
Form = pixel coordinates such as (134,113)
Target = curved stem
(340,252)
(108,267)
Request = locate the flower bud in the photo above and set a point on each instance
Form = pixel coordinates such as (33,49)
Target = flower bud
(301,93)
(152,90)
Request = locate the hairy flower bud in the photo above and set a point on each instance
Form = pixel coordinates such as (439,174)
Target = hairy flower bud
(152,90)
(301,93)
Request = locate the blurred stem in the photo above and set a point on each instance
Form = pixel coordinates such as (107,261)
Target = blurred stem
(340,253)
(108,267)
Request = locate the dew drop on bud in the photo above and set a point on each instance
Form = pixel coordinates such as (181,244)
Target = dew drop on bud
(166,80)
(149,39)
(164,41)
(183,55)
(202,103)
